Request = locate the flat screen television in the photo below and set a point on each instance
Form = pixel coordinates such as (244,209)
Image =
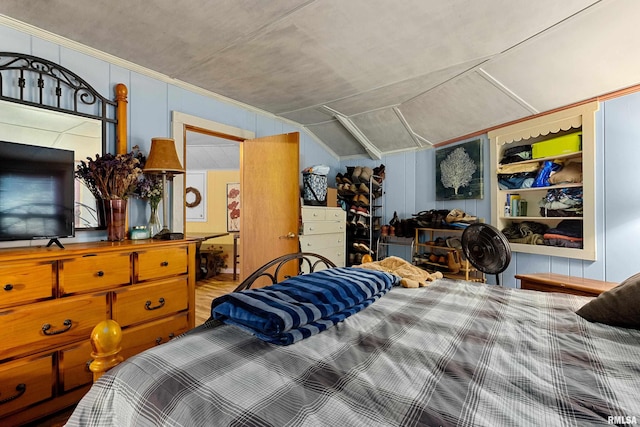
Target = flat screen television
(36,192)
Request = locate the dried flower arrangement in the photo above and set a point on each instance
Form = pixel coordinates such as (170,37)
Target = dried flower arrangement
(149,186)
(111,176)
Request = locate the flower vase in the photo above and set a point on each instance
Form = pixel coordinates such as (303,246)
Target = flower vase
(116,215)
(154,226)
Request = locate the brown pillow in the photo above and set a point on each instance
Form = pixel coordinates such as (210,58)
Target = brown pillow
(619,306)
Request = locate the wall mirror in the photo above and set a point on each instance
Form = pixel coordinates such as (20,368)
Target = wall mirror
(45,104)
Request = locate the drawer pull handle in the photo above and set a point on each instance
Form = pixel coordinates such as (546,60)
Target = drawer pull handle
(147,305)
(20,388)
(8,287)
(164,263)
(46,328)
(100,273)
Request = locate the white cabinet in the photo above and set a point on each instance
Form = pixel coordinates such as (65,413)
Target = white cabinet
(323,232)
(539,129)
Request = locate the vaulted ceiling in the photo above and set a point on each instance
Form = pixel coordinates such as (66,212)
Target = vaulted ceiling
(369,76)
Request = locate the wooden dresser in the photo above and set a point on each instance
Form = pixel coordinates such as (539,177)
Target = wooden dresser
(551,282)
(324,232)
(51,298)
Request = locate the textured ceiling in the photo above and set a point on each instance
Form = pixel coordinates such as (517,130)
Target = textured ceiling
(369,76)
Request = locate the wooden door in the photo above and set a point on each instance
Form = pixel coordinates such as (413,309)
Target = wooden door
(270,194)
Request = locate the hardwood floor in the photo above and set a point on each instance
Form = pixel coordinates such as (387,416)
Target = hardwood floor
(206,291)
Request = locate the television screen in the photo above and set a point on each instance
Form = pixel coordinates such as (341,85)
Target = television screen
(36,192)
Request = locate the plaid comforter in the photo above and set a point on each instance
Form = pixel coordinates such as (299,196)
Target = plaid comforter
(454,353)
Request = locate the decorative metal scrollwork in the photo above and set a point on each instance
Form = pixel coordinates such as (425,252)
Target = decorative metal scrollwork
(46,328)
(20,388)
(147,305)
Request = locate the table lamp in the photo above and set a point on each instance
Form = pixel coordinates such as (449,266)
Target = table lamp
(163,159)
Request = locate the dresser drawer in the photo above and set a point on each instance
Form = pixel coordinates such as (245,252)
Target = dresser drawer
(314,242)
(310,228)
(43,325)
(313,214)
(26,381)
(93,272)
(26,282)
(140,303)
(322,214)
(158,263)
(140,338)
(74,366)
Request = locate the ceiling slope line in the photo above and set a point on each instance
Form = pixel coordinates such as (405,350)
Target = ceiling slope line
(482,60)
(351,127)
(488,77)
(406,125)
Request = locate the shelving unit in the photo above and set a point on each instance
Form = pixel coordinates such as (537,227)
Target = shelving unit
(361,229)
(541,128)
(384,242)
(430,242)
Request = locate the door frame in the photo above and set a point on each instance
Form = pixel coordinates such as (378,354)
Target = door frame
(180,122)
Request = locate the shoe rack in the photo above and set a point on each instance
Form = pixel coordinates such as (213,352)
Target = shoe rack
(360,193)
(440,249)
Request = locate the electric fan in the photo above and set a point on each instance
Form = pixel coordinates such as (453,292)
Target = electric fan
(486,248)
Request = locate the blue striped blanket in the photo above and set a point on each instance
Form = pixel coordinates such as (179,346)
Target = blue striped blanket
(304,305)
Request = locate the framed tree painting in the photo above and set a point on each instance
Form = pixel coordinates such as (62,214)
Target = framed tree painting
(233,207)
(459,172)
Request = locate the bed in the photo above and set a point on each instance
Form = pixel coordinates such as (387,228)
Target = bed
(452,353)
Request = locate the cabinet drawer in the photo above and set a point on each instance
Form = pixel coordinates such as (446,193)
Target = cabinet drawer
(140,303)
(139,338)
(28,380)
(158,263)
(74,366)
(94,272)
(313,214)
(26,282)
(335,215)
(323,227)
(314,242)
(24,329)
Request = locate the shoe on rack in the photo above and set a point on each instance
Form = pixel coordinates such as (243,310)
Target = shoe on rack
(379,172)
(366,174)
(362,222)
(363,188)
(362,211)
(363,200)
(376,223)
(346,178)
(392,230)
(453,262)
(355,177)
(353,208)
(339,178)
(384,230)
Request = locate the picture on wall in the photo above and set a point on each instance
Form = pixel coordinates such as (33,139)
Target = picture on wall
(233,207)
(459,172)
